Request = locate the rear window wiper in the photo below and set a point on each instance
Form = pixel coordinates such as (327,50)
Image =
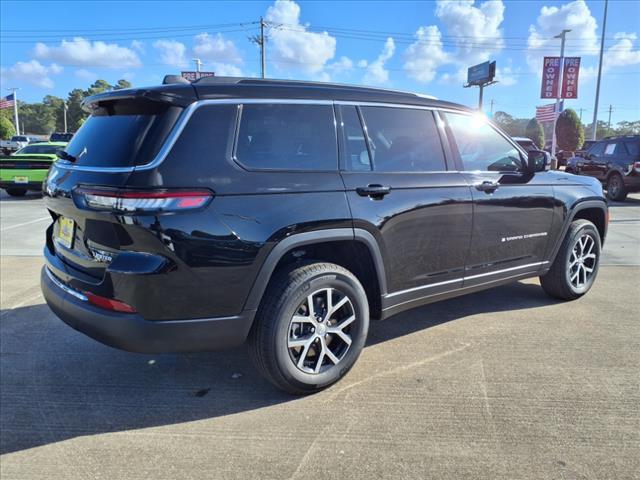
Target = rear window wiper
(65,156)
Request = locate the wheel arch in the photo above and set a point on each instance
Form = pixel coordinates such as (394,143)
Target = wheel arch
(355,249)
(596,211)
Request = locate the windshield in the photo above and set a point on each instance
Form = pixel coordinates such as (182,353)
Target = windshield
(18,138)
(40,149)
(122,134)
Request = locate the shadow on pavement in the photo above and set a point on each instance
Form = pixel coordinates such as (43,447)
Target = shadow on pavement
(57,384)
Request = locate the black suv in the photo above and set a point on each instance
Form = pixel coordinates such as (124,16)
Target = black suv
(288,214)
(614,161)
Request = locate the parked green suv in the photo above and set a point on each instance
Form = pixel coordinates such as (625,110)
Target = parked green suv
(27,168)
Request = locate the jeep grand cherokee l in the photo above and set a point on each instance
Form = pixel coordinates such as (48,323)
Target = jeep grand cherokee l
(288,214)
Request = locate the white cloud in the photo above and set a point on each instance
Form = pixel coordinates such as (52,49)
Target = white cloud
(425,55)
(82,52)
(505,76)
(344,65)
(621,53)
(292,46)
(32,72)
(220,54)
(376,74)
(172,52)
(138,46)
(85,74)
(476,29)
(216,49)
(574,16)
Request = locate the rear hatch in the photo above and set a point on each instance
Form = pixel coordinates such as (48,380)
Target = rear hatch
(126,129)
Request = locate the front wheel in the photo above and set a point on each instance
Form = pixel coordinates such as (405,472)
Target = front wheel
(310,328)
(576,265)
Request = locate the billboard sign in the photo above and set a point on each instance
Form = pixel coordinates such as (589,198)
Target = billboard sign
(482,73)
(193,76)
(570,73)
(550,77)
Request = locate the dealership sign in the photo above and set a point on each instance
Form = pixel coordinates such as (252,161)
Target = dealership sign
(570,74)
(551,71)
(482,73)
(550,77)
(193,76)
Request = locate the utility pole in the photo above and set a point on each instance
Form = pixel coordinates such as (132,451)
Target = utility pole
(562,37)
(65,108)
(262,53)
(594,125)
(15,109)
(609,122)
(491,108)
(260,41)
(198,63)
(581,115)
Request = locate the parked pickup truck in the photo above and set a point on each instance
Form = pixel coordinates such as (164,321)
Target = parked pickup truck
(16,143)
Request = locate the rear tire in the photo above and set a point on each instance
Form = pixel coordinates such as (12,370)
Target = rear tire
(576,265)
(616,189)
(302,349)
(17,192)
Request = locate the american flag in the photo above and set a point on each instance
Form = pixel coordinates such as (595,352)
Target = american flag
(8,101)
(546,113)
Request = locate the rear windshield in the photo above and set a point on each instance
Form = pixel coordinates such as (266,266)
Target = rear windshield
(41,149)
(122,134)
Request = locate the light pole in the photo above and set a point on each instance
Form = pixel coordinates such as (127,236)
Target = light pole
(198,63)
(65,108)
(594,125)
(562,37)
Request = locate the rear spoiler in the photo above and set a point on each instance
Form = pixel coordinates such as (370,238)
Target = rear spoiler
(179,95)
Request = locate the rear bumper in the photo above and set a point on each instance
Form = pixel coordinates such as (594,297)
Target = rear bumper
(35,178)
(131,332)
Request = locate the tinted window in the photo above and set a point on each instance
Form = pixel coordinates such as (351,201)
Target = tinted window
(287,137)
(480,146)
(633,148)
(356,154)
(44,149)
(122,134)
(597,149)
(403,140)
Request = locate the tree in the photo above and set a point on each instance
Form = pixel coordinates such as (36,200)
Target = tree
(7,130)
(628,127)
(99,86)
(122,83)
(36,118)
(535,132)
(56,105)
(74,104)
(569,131)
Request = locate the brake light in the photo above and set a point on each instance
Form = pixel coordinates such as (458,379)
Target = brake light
(108,303)
(636,166)
(142,201)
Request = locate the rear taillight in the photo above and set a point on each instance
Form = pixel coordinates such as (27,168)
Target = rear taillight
(141,201)
(636,167)
(108,303)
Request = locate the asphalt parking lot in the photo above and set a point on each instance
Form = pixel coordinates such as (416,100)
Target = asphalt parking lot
(505,383)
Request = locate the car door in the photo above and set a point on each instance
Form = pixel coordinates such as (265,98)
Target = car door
(400,190)
(513,209)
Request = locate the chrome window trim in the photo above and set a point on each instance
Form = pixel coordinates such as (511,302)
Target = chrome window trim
(461,279)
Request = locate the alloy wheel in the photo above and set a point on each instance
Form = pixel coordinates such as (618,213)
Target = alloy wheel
(582,261)
(319,333)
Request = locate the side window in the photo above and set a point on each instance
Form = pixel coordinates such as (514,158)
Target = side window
(621,149)
(287,137)
(633,148)
(403,140)
(356,154)
(480,146)
(610,149)
(597,149)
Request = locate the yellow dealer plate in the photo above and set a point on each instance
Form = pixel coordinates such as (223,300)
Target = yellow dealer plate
(66,228)
(20,179)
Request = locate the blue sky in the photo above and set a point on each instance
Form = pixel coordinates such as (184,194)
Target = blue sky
(52,47)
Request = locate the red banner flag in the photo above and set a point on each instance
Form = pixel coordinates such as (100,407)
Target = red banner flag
(570,74)
(550,77)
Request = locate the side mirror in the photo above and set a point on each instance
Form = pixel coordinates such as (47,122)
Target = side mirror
(538,161)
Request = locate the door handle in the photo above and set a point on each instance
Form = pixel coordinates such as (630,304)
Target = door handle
(487,187)
(374,191)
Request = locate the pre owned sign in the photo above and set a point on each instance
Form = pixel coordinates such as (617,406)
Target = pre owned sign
(551,77)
